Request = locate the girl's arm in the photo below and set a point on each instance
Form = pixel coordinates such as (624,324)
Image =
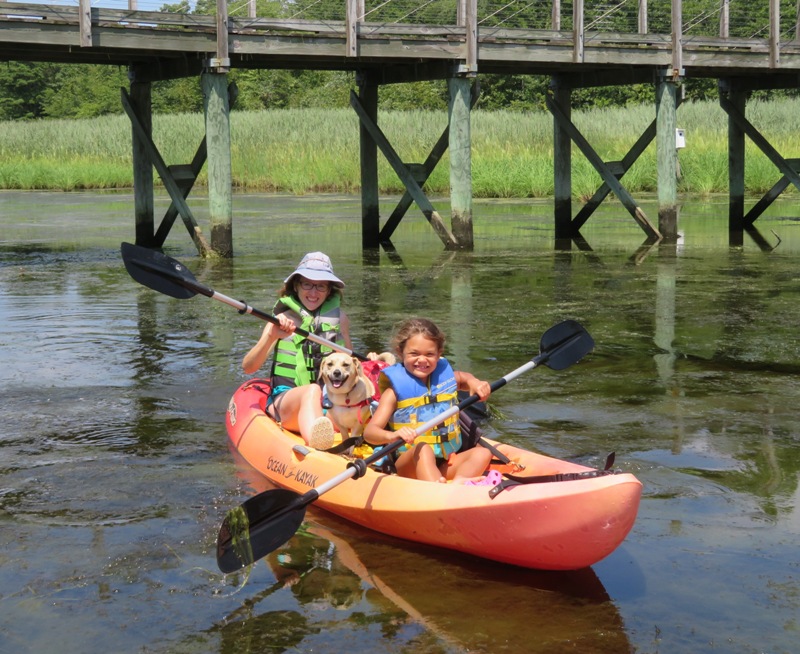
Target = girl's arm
(258,354)
(375,433)
(468,382)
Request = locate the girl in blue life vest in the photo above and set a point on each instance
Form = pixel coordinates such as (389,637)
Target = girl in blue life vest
(309,298)
(420,386)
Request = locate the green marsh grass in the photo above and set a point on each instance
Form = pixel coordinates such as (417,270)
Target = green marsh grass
(317,150)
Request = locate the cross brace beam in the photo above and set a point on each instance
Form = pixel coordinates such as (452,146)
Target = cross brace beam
(790,168)
(404,172)
(610,172)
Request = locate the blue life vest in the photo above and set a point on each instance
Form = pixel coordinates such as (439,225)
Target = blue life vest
(418,402)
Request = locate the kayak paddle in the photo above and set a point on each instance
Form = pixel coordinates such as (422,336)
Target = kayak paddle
(267,520)
(166,275)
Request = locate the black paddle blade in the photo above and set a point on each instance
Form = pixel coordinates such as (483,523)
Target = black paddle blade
(257,527)
(564,344)
(158,271)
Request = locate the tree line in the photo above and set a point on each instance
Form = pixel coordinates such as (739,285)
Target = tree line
(31,91)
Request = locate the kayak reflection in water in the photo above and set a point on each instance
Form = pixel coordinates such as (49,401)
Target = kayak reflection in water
(309,566)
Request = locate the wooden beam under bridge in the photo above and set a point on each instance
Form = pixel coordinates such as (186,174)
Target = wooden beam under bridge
(610,172)
(733,99)
(178,179)
(404,173)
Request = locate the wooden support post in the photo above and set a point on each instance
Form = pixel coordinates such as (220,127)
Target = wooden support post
(774,33)
(577,32)
(164,172)
(606,173)
(351,28)
(785,166)
(460,146)
(467,17)
(220,176)
(421,172)
(370,209)
(667,158)
(562,166)
(736,164)
(642,17)
(185,176)
(677,39)
(725,19)
(143,209)
(85,23)
(402,171)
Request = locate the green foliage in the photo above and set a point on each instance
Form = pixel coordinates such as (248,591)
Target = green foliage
(84,91)
(181,7)
(302,150)
(36,90)
(515,92)
(177,96)
(414,96)
(23,87)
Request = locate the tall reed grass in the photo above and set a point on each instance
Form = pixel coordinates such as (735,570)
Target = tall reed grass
(316,150)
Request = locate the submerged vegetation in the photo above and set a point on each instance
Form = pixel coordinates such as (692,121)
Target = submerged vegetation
(317,150)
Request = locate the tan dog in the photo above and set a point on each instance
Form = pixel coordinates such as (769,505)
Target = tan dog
(349,390)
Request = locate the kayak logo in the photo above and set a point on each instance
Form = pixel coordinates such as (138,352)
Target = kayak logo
(232,412)
(288,472)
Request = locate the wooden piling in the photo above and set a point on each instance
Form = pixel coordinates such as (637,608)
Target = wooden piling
(220,175)
(141,97)
(667,158)
(562,167)
(370,209)
(736,159)
(460,161)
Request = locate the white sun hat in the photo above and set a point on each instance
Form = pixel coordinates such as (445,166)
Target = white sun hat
(317,267)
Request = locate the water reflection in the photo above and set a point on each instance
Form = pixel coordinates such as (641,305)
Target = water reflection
(463,604)
(115,473)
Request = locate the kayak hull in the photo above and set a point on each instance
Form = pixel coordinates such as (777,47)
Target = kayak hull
(564,525)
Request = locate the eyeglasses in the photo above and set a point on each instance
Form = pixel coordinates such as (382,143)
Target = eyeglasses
(321,288)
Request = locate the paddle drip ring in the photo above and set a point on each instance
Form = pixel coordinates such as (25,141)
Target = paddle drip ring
(360,468)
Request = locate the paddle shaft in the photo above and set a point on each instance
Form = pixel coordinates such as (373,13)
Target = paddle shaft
(187,281)
(268,317)
(566,343)
(314,493)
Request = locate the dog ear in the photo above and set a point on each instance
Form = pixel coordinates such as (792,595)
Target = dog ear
(320,375)
(358,366)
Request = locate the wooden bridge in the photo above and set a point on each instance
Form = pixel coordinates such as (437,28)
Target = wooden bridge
(577,45)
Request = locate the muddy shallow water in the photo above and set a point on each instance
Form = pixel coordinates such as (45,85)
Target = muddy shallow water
(115,473)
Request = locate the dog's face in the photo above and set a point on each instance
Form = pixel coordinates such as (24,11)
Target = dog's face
(340,372)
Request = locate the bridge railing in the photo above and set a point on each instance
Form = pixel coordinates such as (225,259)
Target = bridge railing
(762,25)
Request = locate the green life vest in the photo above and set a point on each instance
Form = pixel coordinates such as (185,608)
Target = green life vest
(296,361)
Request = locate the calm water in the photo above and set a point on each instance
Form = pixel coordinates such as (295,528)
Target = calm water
(115,473)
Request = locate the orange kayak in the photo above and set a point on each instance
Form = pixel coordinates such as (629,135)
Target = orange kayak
(548,525)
